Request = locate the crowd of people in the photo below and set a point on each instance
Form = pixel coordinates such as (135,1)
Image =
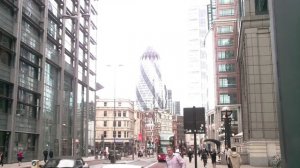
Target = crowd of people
(175,160)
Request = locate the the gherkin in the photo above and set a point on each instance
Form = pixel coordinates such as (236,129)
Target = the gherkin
(150,88)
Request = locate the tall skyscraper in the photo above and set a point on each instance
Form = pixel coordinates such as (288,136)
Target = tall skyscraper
(150,91)
(196,71)
(47,77)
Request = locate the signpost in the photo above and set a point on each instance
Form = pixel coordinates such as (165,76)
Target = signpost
(194,123)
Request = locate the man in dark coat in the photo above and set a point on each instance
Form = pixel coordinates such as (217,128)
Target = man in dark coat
(45,153)
(51,154)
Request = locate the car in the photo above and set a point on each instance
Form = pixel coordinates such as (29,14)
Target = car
(111,153)
(66,162)
(161,157)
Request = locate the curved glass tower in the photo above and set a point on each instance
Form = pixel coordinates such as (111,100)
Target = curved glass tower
(150,88)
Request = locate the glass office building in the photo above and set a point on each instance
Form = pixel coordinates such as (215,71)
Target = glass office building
(47,77)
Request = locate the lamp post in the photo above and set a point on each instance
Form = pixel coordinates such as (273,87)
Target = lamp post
(225,114)
(113,160)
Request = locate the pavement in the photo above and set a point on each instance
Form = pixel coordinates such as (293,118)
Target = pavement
(92,161)
(89,160)
(209,164)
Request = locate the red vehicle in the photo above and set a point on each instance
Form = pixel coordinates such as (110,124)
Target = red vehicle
(161,157)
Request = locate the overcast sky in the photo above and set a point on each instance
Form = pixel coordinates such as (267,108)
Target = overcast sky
(126,28)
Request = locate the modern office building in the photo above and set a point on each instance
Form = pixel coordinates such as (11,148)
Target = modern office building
(196,77)
(47,77)
(258,91)
(150,90)
(176,108)
(224,20)
(115,115)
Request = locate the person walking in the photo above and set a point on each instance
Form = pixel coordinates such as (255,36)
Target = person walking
(174,161)
(227,154)
(235,158)
(45,153)
(51,154)
(213,156)
(204,157)
(1,158)
(190,154)
(20,157)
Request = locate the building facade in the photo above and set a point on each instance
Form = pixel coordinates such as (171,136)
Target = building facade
(115,115)
(224,20)
(259,104)
(47,77)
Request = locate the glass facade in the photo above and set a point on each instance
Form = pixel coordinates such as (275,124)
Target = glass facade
(43,105)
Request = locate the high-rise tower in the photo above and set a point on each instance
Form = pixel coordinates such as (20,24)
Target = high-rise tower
(150,89)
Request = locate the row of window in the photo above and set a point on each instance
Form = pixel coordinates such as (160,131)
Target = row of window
(125,134)
(126,123)
(119,113)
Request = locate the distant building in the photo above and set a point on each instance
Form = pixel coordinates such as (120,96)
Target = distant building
(176,107)
(150,90)
(122,121)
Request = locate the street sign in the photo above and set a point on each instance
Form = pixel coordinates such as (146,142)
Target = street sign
(194,120)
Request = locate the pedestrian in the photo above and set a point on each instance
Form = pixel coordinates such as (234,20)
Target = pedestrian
(51,154)
(45,153)
(213,156)
(174,161)
(204,157)
(1,158)
(190,154)
(227,154)
(20,157)
(235,158)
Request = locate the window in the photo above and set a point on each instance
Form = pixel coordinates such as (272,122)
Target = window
(225,1)
(234,116)
(105,103)
(119,104)
(6,41)
(105,113)
(225,29)
(228,98)
(119,134)
(226,12)
(124,113)
(212,118)
(124,134)
(119,114)
(227,82)
(261,7)
(226,67)
(104,134)
(225,42)
(229,54)
(105,123)
(119,123)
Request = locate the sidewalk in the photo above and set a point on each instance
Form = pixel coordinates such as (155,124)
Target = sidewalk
(86,159)
(209,165)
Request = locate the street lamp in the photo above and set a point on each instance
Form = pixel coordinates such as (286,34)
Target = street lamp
(226,117)
(113,160)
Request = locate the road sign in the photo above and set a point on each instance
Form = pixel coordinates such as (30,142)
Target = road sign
(194,120)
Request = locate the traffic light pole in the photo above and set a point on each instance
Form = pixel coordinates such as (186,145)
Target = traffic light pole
(195,137)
